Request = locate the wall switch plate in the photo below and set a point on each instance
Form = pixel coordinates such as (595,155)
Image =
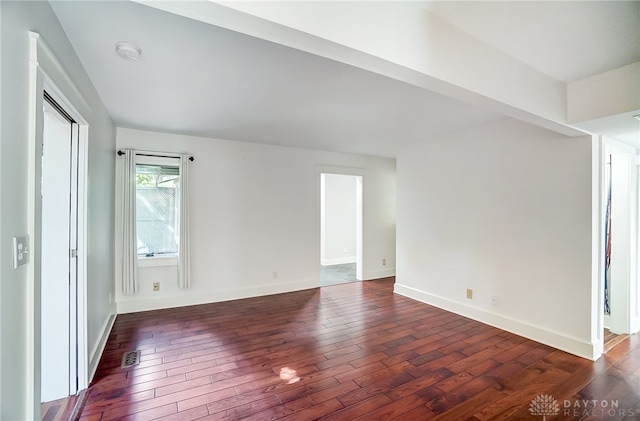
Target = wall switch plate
(20,251)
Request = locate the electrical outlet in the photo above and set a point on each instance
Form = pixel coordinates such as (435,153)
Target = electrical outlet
(494,300)
(20,251)
(156,286)
(469,293)
(384,262)
(275,274)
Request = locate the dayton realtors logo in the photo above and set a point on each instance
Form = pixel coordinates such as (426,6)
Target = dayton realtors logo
(546,406)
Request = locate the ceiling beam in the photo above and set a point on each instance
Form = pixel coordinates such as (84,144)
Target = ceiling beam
(401,41)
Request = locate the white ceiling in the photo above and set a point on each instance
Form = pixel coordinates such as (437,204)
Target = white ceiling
(195,78)
(199,79)
(567,40)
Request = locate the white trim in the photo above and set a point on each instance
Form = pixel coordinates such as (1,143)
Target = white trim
(157,261)
(98,347)
(188,298)
(34,205)
(557,340)
(338,261)
(2,248)
(44,55)
(360,227)
(46,72)
(83,244)
(360,221)
(597,245)
(334,169)
(380,273)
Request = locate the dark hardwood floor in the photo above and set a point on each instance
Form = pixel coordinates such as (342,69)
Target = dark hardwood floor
(612,339)
(353,351)
(64,409)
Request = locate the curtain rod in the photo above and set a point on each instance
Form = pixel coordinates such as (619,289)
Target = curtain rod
(191,158)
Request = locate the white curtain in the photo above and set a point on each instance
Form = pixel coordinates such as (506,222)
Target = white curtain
(184,259)
(129,235)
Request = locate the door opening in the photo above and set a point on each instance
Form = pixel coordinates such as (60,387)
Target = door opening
(618,245)
(340,228)
(59,275)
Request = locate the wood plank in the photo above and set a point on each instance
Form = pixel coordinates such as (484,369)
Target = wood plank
(359,351)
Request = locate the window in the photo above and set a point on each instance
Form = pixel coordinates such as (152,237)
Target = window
(157,206)
(155,215)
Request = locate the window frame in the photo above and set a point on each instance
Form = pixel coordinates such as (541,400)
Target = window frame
(164,259)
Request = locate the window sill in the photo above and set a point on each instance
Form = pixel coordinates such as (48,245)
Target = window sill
(156,261)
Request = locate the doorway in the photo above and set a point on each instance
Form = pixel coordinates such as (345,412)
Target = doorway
(59,263)
(620,243)
(48,75)
(340,228)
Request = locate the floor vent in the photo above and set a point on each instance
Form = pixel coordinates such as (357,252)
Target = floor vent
(129,359)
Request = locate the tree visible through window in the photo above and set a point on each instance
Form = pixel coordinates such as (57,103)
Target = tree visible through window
(157,207)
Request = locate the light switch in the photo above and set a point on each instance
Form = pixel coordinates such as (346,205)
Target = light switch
(20,251)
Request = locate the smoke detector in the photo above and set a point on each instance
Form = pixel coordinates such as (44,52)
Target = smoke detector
(128,50)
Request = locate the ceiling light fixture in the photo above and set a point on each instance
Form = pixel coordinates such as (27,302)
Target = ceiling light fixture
(128,50)
(637,117)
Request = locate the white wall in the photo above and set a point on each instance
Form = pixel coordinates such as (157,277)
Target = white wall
(339,223)
(256,219)
(504,209)
(605,94)
(18,400)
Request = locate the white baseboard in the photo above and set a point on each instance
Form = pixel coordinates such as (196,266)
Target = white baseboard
(377,274)
(188,298)
(338,261)
(98,347)
(565,343)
